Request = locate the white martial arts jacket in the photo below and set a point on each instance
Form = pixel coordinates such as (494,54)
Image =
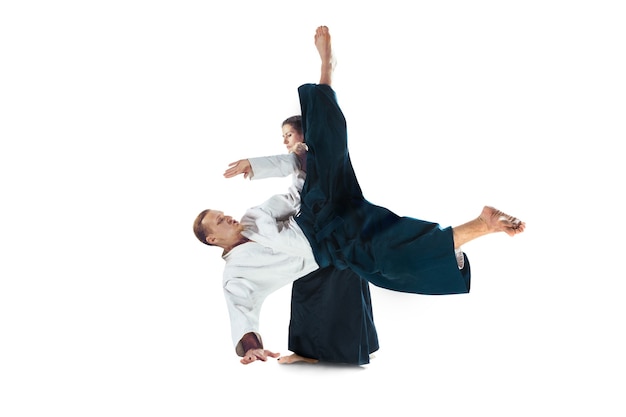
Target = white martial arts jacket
(278,252)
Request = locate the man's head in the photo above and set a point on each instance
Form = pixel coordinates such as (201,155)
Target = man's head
(213,228)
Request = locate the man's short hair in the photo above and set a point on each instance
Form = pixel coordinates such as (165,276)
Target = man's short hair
(199,229)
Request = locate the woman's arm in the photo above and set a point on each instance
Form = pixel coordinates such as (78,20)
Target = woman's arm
(265,167)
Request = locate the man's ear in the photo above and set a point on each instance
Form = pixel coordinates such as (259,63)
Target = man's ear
(211,239)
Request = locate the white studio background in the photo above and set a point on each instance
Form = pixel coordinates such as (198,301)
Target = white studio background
(118,118)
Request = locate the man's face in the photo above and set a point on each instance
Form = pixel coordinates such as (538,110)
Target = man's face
(291,137)
(221,230)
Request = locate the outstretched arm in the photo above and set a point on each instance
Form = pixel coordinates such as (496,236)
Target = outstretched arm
(244,311)
(267,166)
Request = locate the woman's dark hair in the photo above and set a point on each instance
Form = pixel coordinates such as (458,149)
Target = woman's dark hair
(295,122)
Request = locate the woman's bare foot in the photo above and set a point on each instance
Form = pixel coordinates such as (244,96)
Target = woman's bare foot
(323,45)
(293,358)
(498,221)
(490,220)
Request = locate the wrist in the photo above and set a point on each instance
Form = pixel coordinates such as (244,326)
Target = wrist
(250,341)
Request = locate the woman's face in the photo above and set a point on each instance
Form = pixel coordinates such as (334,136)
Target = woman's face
(291,137)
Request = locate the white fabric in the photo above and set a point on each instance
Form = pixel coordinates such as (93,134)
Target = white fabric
(278,252)
(275,166)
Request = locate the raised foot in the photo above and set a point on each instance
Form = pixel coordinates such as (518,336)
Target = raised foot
(498,221)
(293,358)
(324,47)
(323,44)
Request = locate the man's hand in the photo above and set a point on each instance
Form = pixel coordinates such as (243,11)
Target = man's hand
(258,354)
(240,167)
(299,149)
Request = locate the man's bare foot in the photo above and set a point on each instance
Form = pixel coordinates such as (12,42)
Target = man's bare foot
(498,221)
(323,45)
(293,358)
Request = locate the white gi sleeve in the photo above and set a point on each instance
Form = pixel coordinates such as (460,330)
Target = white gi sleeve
(243,311)
(274,166)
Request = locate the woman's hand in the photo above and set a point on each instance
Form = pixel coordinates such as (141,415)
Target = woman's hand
(240,167)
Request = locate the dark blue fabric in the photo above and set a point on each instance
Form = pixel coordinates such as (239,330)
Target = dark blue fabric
(347,231)
(332,318)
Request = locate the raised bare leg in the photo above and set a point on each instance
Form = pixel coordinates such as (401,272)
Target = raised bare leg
(323,45)
(293,358)
(490,220)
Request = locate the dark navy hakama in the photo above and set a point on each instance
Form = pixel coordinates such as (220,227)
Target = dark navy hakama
(347,231)
(332,318)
